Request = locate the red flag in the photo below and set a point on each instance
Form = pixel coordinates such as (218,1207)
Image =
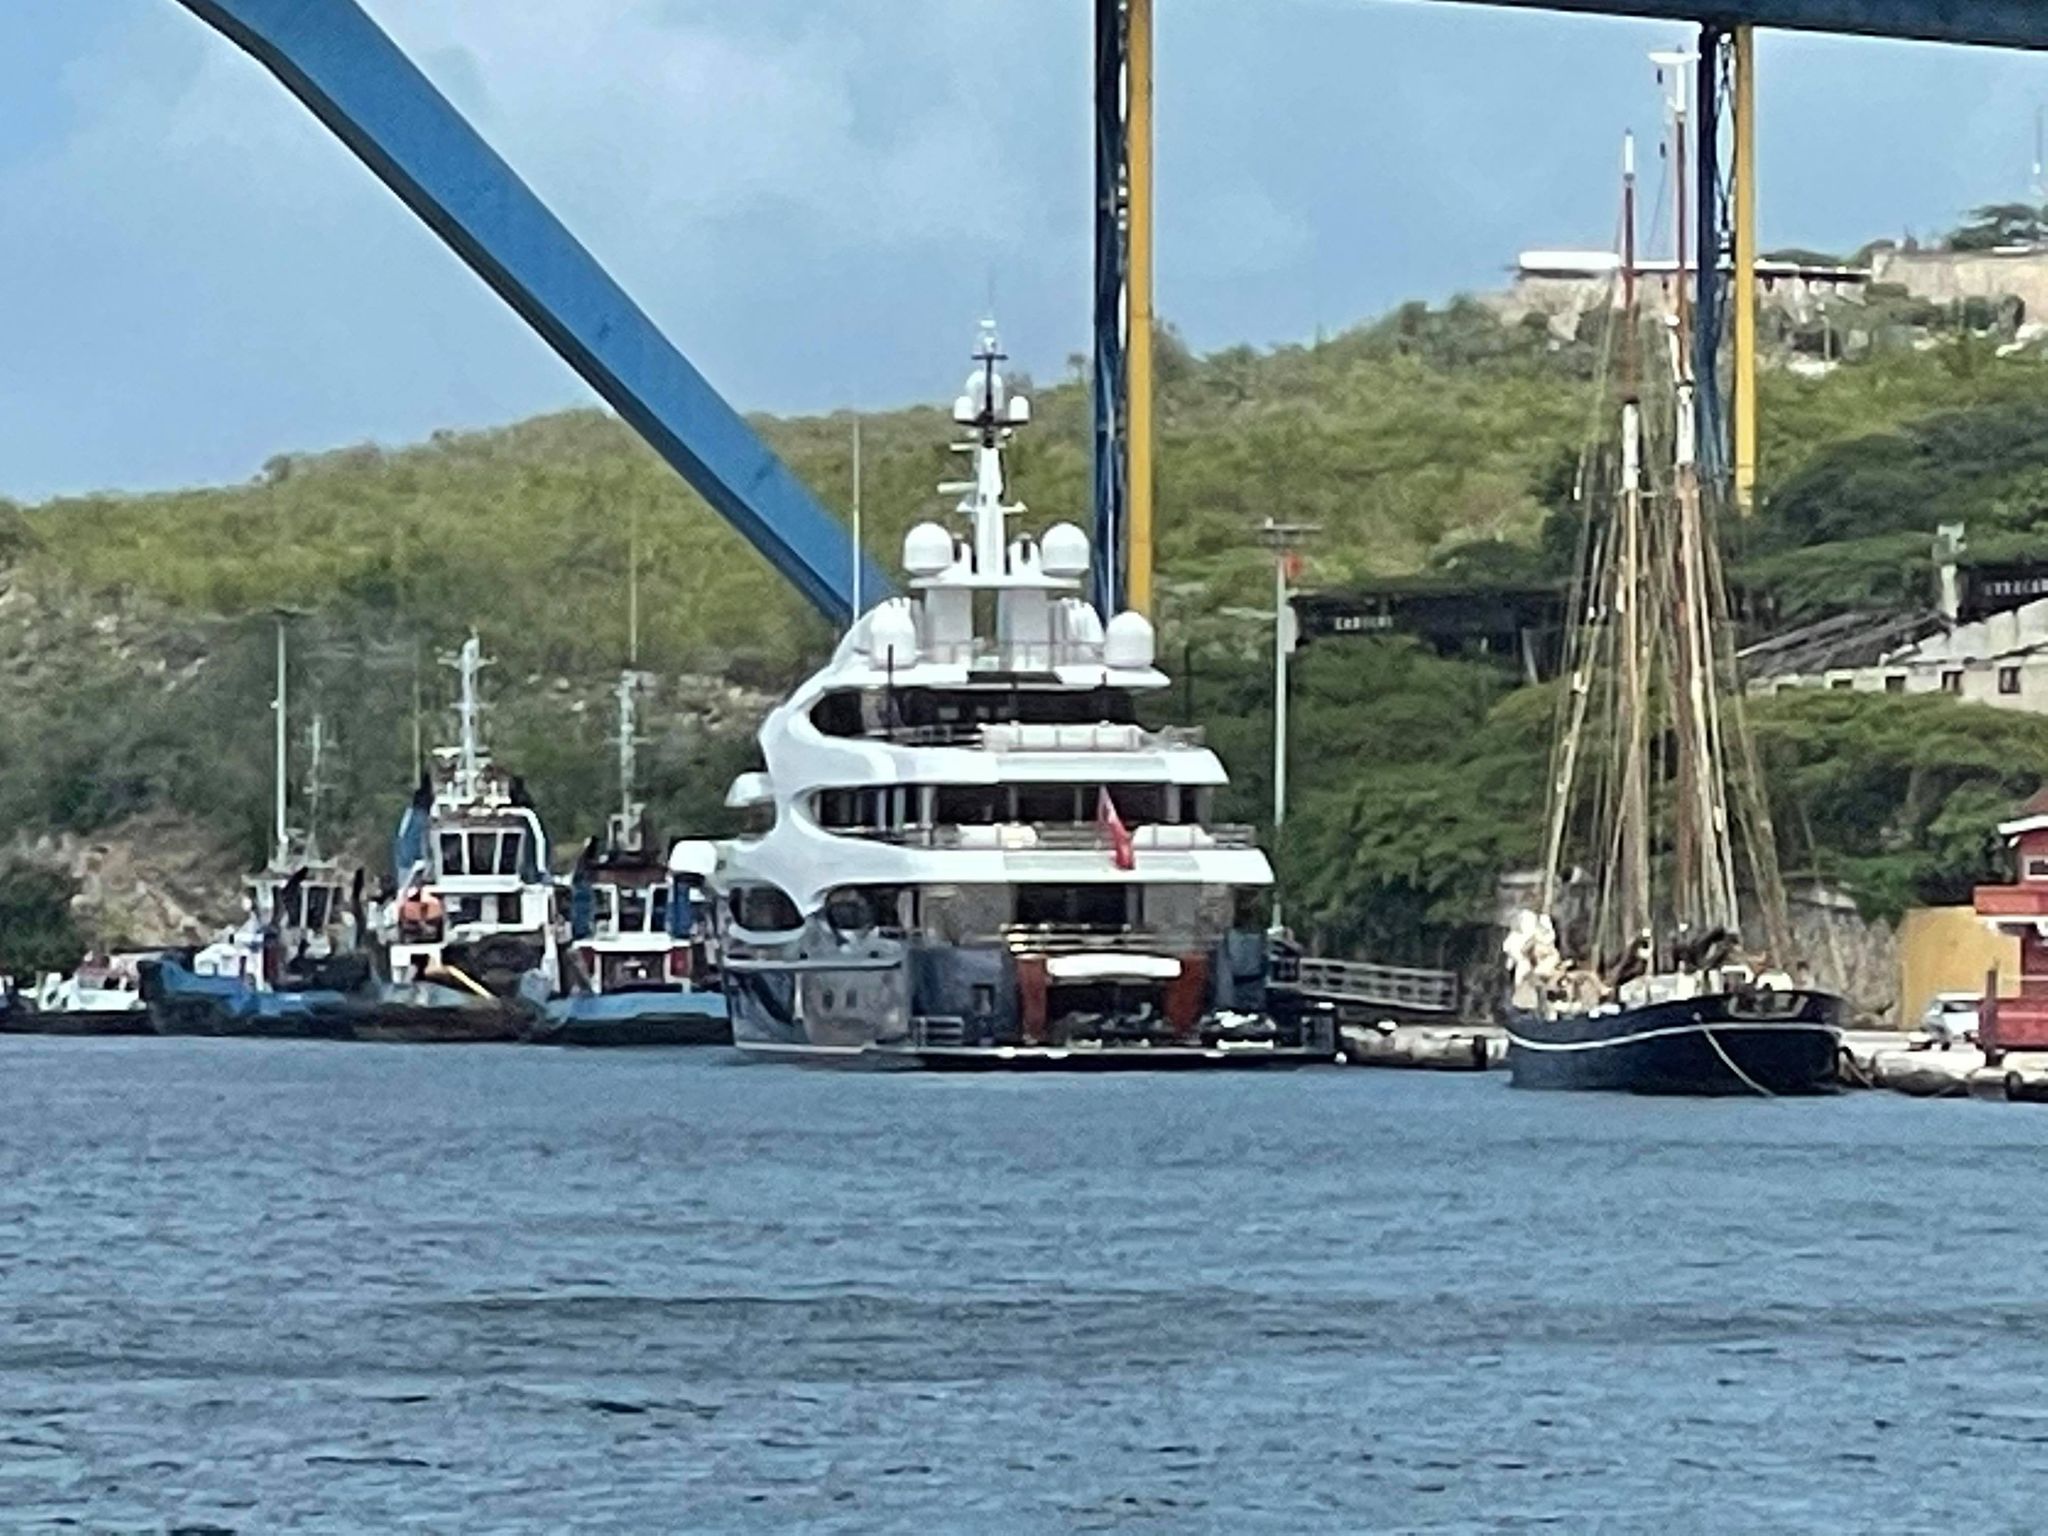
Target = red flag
(1106,819)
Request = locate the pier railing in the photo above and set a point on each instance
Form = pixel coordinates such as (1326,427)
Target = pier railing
(1360,983)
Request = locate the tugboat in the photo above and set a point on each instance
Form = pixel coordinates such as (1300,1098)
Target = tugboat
(980,856)
(1633,974)
(285,969)
(642,954)
(466,944)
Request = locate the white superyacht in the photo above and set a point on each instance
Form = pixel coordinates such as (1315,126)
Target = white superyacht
(977,855)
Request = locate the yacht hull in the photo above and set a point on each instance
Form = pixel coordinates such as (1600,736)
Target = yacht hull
(1781,1044)
(905,1013)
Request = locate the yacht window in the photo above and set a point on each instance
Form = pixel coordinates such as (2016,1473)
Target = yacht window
(765,909)
(469,909)
(968,805)
(658,905)
(1050,803)
(316,906)
(483,852)
(508,907)
(1073,906)
(838,714)
(509,848)
(294,903)
(451,853)
(1139,805)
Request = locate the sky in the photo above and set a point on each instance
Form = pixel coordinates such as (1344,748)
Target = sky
(817,199)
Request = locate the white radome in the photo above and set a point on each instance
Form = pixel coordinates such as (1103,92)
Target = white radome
(1063,551)
(927,549)
(1128,642)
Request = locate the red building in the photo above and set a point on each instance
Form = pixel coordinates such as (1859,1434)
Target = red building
(2021,909)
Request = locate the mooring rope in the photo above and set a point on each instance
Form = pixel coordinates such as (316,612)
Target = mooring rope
(1729,1062)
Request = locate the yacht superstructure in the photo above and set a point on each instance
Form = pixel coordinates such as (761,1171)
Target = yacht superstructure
(979,854)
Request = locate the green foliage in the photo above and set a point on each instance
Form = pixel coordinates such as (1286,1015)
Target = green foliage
(1897,799)
(37,931)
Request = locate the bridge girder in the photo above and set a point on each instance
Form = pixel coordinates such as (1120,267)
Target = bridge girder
(350,75)
(1987,23)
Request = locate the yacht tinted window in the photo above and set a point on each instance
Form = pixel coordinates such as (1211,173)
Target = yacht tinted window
(508,852)
(483,852)
(969,805)
(293,896)
(765,908)
(451,853)
(316,906)
(659,899)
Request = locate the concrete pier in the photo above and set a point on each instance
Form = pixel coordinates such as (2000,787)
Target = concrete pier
(1429,1047)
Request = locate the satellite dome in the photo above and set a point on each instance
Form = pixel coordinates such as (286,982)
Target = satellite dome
(1063,551)
(927,550)
(1128,641)
(892,634)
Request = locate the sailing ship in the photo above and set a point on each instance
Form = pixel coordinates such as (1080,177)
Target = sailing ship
(976,854)
(642,955)
(1638,970)
(467,942)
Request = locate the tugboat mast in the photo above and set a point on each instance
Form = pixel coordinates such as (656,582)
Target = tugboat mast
(469,664)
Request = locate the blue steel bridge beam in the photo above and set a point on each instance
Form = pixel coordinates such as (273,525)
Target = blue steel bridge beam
(343,68)
(1990,23)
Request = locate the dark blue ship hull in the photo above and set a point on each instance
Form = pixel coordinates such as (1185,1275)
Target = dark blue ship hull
(1781,1044)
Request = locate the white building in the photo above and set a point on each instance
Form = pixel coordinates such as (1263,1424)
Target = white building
(2000,659)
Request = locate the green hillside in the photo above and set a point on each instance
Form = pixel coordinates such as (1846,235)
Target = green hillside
(138,666)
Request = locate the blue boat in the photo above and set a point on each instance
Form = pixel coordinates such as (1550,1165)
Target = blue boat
(636,1018)
(181,1001)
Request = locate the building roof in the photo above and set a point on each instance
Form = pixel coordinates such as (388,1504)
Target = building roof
(1861,639)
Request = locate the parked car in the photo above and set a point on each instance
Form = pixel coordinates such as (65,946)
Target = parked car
(1951,1018)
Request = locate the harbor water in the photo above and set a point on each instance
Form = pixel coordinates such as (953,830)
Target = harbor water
(257,1287)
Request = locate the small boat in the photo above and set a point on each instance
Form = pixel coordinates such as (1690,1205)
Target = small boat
(467,945)
(1632,972)
(102,996)
(186,1000)
(642,956)
(979,857)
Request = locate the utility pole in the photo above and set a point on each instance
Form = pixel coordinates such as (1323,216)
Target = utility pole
(1282,539)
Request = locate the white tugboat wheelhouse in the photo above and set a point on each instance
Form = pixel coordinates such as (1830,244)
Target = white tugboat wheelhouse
(474,900)
(979,854)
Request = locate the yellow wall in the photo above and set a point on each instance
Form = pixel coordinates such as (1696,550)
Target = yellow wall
(1948,949)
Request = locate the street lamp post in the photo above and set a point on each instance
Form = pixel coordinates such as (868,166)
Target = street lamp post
(1282,539)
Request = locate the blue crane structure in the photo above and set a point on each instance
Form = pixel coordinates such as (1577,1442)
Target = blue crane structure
(342,66)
